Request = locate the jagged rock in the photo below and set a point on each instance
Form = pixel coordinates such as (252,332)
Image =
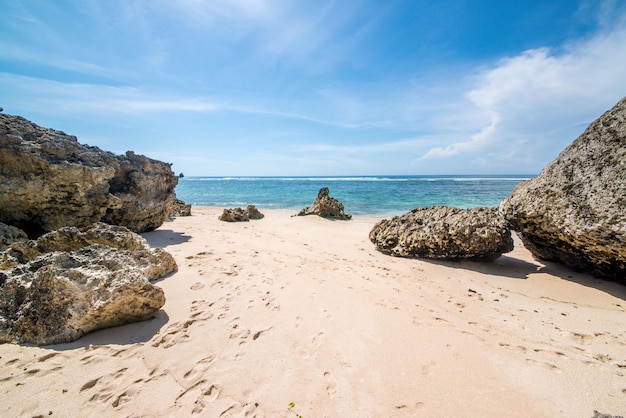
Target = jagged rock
(241,215)
(442,232)
(69,239)
(51,296)
(253,212)
(59,297)
(10,234)
(180,208)
(48,180)
(574,212)
(146,189)
(326,207)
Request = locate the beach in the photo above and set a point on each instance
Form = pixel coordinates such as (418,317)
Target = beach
(302,316)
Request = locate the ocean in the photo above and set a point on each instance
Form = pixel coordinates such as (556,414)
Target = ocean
(376,196)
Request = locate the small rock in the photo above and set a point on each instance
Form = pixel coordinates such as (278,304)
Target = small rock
(241,215)
(326,207)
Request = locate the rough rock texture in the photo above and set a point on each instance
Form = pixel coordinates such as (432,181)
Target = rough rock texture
(241,215)
(56,296)
(146,189)
(574,212)
(48,180)
(69,239)
(326,207)
(10,234)
(180,208)
(442,232)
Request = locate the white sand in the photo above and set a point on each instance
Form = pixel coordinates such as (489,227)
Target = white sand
(305,310)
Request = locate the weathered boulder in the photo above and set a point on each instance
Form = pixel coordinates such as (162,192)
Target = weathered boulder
(49,296)
(326,207)
(10,234)
(443,232)
(574,212)
(241,215)
(146,189)
(71,238)
(48,180)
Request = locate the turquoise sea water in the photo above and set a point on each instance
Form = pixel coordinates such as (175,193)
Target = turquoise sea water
(368,195)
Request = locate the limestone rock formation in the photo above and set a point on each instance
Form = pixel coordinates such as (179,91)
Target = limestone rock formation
(50,296)
(180,208)
(48,180)
(442,232)
(574,212)
(241,215)
(146,189)
(326,207)
(10,234)
(69,239)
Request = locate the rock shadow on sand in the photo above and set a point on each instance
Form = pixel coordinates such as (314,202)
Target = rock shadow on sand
(129,334)
(165,237)
(514,268)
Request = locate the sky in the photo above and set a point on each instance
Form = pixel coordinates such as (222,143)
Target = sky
(317,87)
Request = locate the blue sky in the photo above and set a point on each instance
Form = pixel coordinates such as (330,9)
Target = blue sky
(285,87)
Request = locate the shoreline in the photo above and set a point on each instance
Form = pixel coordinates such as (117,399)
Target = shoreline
(305,310)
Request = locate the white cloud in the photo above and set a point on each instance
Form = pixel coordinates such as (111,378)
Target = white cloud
(541,96)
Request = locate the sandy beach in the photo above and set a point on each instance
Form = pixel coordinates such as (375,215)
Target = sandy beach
(301,316)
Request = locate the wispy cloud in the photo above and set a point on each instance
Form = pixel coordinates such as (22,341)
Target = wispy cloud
(80,98)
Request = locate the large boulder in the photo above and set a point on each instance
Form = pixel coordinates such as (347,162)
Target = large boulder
(70,238)
(49,296)
(48,180)
(146,190)
(326,207)
(443,232)
(574,212)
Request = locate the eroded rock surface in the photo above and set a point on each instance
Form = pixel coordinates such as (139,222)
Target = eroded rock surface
(48,180)
(180,208)
(146,190)
(74,281)
(326,207)
(10,234)
(574,212)
(442,232)
(241,215)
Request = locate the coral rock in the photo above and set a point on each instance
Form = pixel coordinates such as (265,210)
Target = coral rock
(241,215)
(326,207)
(10,234)
(48,180)
(574,212)
(50,296)
(444,233)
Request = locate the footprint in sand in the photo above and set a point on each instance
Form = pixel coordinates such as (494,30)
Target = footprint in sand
(198,395)
(317,340)
(199,368)
(178,332)
(417,406)
(240,410)
(197,286)
(547,365)
(106,386)
(270,301)
(331,386)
